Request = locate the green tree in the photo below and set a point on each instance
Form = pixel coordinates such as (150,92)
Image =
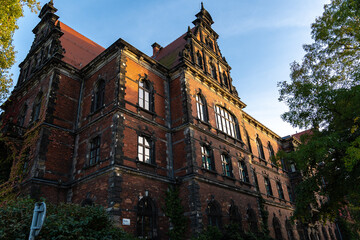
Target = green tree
(324,95)
(10,12)
(175,212)
(63,221)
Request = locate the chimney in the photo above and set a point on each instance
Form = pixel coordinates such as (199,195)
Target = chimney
(156,49)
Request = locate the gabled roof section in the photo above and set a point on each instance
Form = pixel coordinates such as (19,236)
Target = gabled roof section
(79,50)
(169,56)
(298,135)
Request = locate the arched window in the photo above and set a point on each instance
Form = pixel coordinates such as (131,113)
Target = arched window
(289,230)
(252,220)
(234,215)
(214,214)
(145,149)
(213,71)
(145,95)
(22,116)
(260,148)
(225,80)
(37,107)
(243,172)
(268,186)
(277,229)
(146,219)
(280,190)
(199,60)
(291,198)
(226,122)
(248,141)
(226,165)
(98,96)
(207,158)
(271,151)
(255,179)
(201,108)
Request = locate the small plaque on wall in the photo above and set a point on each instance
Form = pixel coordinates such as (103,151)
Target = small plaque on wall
(126,222)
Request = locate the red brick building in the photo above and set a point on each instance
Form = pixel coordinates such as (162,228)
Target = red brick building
(116,127)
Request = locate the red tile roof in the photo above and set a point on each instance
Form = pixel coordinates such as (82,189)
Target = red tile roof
(79,50)
(298,135)
(169,55)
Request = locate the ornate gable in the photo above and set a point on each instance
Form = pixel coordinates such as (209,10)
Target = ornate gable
(45,45)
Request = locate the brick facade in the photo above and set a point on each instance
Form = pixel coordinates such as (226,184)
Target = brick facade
(96,106)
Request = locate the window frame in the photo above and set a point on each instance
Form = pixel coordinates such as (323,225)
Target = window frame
(145,95)
(243,172)
(146,218)
(199,59)
(144,145)
(271,151)
(37,107)
(98,98)
(268,187)
(226,122)
(280,190)
(260,148)
(214,214)
(206,157)
(226,165)
(201,108)
(22,116)
(94,155)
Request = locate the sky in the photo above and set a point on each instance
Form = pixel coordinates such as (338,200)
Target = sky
(258,38)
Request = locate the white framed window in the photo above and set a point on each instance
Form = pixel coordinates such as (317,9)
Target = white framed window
(225,121)
(207,158)
(144,95)
(226,165)
(144,149)
(201,108)
(244,176)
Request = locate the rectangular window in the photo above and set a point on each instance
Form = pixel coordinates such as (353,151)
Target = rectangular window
(291,198)
(243,172)
(94,151)
(280,190)
(226,165)
(268,186)
(144,149)
(207,161)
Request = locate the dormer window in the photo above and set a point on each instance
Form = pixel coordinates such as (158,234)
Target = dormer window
(225,80)
(213,71)
(209,43)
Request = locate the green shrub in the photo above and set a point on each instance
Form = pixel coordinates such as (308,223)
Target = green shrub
(63,221)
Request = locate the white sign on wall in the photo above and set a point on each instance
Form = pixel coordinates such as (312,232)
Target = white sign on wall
(126,222)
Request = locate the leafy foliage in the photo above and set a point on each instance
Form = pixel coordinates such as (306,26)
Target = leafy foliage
(175,211)
(10,12)
(6,160)
(324,95)
(64,221)
(231,232)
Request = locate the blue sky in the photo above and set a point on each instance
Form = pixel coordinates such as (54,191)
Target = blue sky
(259,38)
